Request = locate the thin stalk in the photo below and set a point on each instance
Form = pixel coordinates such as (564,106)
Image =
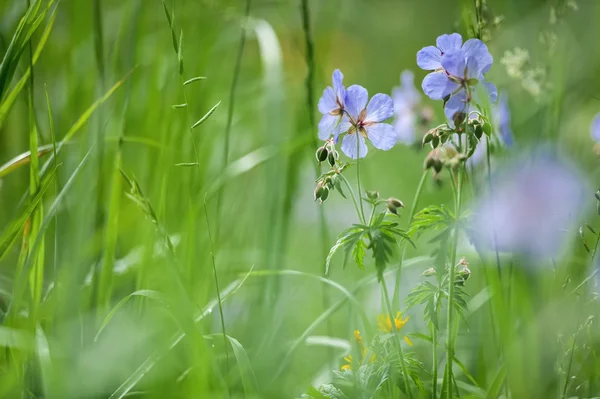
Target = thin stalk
(353,197)
(489,178)
(214,266)
(411,215)
(231,105)
(451,276)
(362,212)
(396,339)
(434,374)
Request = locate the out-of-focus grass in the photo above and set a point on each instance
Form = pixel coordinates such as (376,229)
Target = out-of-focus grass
(108,248)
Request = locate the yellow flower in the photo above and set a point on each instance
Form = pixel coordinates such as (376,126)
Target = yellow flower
(363,352)
(348,366)
(385,324)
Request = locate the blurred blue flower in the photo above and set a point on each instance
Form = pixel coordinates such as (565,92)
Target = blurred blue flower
(331,105)
(366,120)
(502,131)
(595,128)
(501,118)
(458,69)
(535,200)
(406,101)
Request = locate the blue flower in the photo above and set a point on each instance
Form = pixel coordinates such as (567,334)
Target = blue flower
(331,105)
(502,131)
(595,128)
(366,121)
(406,100)
(501,116)
(537,198)
(458,68)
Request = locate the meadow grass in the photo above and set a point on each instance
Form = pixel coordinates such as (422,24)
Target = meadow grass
(159,234)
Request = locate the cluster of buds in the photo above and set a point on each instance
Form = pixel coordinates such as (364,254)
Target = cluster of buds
(328,153)
(462,275)
(329,181)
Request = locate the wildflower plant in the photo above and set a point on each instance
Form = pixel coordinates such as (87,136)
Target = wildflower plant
(457,78)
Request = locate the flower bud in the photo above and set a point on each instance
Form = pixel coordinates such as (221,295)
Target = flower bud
(333,157)
(433,160)
(459,118)
(429,272)
(372,195)
(393,204)
(322,154)
(321,192)
(478,131)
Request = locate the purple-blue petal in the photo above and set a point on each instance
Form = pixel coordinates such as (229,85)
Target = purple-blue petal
(454,63)
(437,85)
(356,100)
(428,58)
(349,146)
(327,102)
(329,126)
(503,121)
(595,129)
(449,42)
(405,97)
(404,126)
(380,108)
(492,91)
(338,86)
(382,135)
(477,50)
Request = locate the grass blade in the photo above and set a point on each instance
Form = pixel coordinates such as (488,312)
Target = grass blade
(246,371)
(205,117)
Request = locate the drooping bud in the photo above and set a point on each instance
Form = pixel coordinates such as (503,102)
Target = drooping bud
(321,192)
(459,118)
(434,160)
(429,272)
(333,157)
(321,154)
(478,131)
(393,204)
(429,136)
(372,195)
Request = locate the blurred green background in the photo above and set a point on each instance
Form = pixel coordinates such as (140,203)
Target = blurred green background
(259,202)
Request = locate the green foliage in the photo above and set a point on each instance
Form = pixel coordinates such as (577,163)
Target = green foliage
(382,235)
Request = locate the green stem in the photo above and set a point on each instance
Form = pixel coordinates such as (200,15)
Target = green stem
(231,106)
(214,266)
(396,339)
(362,212)
(489,178)
(353,196)
(411,215)
(434,375)
(451,278)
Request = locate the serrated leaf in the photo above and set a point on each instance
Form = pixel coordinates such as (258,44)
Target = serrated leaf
(358,252)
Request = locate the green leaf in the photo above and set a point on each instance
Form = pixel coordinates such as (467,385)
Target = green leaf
(246,371)
(358,252)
